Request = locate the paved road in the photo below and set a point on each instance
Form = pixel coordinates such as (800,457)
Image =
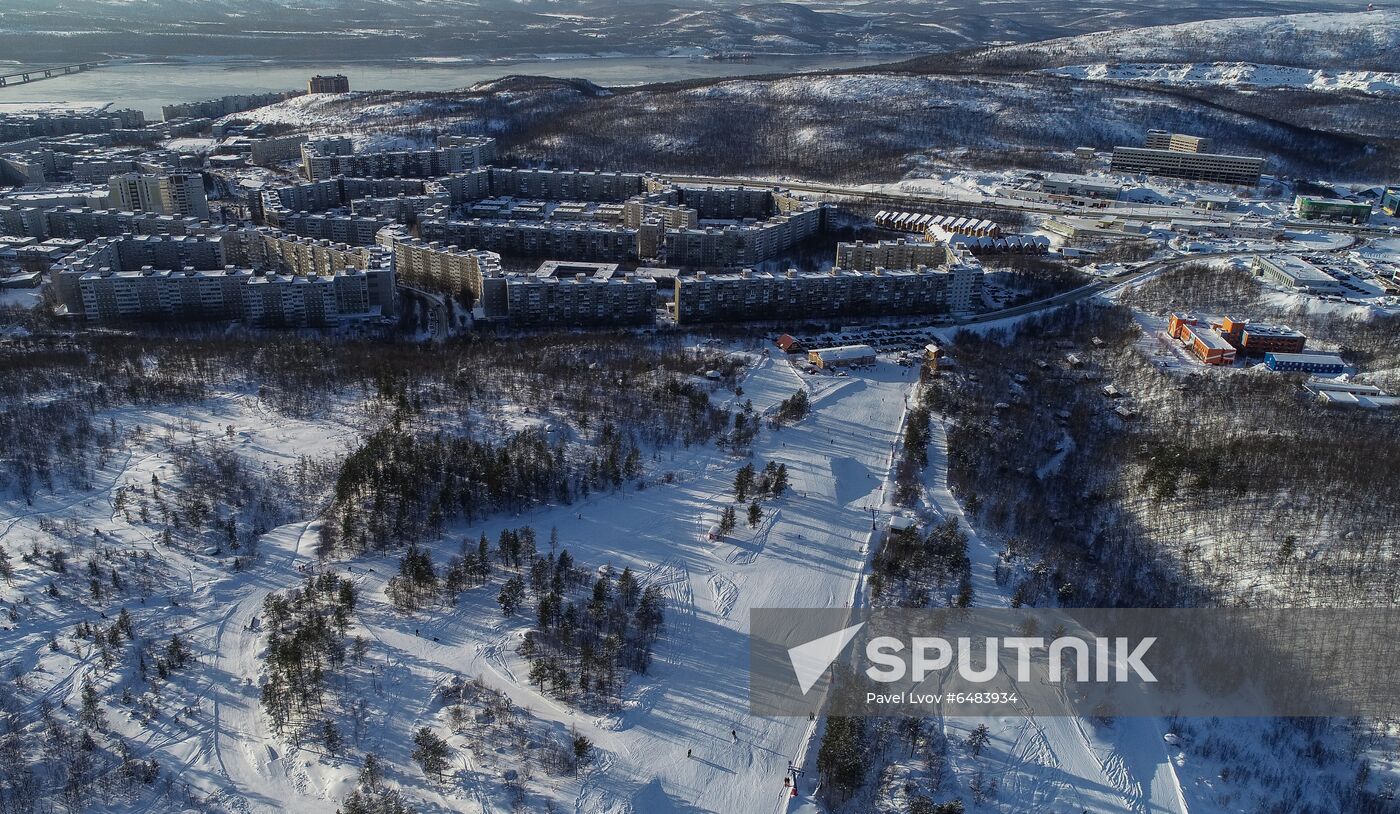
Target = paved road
(1126,278)
(1036,207)
(439,326)
(893,198)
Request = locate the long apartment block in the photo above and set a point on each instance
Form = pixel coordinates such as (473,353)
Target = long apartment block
(1235,170)
(178,279)
(750,295)
(326,158)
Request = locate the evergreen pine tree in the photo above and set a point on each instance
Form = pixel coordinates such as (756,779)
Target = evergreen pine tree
(91,715)
(978,739)
(727,520)
(431,753)
(743,481)
(627,588)
(371,774)
(511,595)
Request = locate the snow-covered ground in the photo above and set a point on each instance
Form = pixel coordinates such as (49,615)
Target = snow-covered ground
(809,550)
(1236,74)
(1324,38)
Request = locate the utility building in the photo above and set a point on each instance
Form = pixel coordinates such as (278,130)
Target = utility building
(842,356)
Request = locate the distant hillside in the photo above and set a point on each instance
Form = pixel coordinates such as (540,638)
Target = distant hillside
(35,31)
(871,125)
(1349,40)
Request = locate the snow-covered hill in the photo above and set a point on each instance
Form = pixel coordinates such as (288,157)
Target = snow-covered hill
(1236,74)
(1349,40)
(395,29)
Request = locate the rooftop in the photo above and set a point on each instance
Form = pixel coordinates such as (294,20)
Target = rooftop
(845,352)
(1298,268)
(1307,357)
(1209,338)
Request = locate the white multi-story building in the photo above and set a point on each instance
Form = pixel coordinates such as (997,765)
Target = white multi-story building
(1295,272)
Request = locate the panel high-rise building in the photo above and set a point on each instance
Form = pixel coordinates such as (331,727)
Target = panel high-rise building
(338,83)
(177,193)
(1177,142)
(1236,170)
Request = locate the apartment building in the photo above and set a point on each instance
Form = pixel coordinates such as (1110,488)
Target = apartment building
(400,208)
(224,105)
(335,83)
(750,295)
(327,158)
(1177,142)
(730,203)
(564,185)
(582,241)
(889,254)
(351,229)
(192,295)
(441,266)
(1235,170)
(188,294)
(748,243)
(97,169)
(164,193)
(655,208)
(602,297)
(23,221)
(276,252)
(274,206)
(186,279)
(268,151)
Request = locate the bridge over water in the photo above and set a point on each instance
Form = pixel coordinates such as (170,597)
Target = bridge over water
(24,77)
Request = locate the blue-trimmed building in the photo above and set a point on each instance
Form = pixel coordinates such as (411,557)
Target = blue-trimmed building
(1326,364)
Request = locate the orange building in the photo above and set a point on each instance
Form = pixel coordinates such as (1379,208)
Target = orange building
(1177,322)
(1257,338)
(1209,346)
